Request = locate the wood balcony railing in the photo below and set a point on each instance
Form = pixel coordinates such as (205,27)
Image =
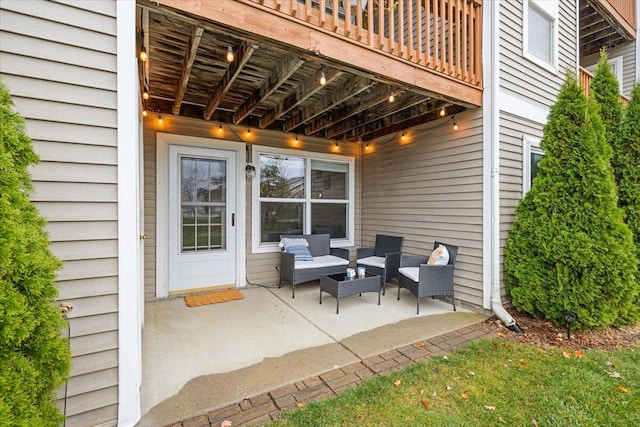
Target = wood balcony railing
(585,84)
(443,36)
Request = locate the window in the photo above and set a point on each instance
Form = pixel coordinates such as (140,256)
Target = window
(541,33)
(300,193)
(531,156)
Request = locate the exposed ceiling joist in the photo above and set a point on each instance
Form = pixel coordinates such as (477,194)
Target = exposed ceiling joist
(281,74)
(242,57)
(187,64)
(301,94)
(351,88)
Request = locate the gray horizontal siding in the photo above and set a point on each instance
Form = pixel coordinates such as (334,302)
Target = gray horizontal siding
(512,131)
(261,266)
(523,78)
(427,190)
(58,60)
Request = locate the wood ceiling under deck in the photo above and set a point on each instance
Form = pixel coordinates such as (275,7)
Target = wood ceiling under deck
(269,84)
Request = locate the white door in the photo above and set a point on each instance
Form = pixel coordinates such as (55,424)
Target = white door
(202,238)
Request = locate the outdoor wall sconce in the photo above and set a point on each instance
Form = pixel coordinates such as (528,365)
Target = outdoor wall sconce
(570,317)
(250,171)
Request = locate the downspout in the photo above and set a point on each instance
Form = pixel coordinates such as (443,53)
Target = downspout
(494,142)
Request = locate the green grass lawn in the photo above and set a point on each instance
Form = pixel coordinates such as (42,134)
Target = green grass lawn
(492,383)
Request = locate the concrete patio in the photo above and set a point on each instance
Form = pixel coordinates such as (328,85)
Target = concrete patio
(199,360)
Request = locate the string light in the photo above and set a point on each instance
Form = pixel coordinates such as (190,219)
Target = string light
(455,125)
(337,145)
(403,137)
(159,117)
(323,78)
(366,146)
(296,140)
(230,55)
(144,112)
(219,127)
(145,94)
(392,97)
(442,112)
(143,54)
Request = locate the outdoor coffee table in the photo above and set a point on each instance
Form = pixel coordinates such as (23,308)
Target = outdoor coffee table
(340,286)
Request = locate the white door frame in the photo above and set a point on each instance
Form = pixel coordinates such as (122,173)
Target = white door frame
(163,140)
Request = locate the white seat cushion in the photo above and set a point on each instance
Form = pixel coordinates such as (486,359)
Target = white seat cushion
(373,261)
(412,273)
(321,261)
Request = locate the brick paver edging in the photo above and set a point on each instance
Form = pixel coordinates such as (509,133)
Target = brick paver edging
(265,407)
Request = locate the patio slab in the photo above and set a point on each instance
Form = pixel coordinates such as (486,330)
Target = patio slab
(197,360)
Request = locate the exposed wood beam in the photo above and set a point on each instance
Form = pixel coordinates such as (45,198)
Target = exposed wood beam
(187,64)
(374,115)
(301,94)
(397,123)
(143,39)
(376,95)
(241,16)
(350,89)
(281,74)
(242,56)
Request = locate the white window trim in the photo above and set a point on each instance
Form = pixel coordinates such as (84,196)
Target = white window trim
(549,8)
(256,245)
(530,145)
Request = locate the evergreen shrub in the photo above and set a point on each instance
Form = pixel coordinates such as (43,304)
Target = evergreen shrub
(34,357)
(569,248)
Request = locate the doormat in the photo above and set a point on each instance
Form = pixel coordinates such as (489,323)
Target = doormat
(212,297)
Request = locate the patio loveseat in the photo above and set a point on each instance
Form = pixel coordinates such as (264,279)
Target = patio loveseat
(325,259)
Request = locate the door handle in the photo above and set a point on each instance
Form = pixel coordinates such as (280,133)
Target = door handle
(233,220)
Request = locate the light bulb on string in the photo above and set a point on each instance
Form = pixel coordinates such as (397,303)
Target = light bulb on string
(230,55)
(323,78)
(455,125)
(442,112)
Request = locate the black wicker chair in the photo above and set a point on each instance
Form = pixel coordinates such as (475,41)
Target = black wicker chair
(383,259)
(319,246)
(432,280)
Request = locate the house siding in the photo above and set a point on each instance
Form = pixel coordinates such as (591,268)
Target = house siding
(430,189)
(512,131)
(523,78)
(260,267)
(58,60)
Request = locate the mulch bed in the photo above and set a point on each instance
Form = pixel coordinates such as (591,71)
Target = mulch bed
(542,333)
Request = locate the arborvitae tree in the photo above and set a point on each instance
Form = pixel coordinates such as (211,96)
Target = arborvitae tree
(569,248)
(605,90)
(627,157)
(34,357)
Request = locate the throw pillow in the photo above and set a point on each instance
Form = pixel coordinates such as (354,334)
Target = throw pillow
(300,253)
(439,256)
(288,241)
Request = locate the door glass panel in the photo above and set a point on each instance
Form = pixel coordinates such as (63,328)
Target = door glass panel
(280,218)
(203,184)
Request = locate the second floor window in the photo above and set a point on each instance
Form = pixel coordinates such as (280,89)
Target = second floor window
(540,32)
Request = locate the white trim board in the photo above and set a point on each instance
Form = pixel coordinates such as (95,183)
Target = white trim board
(163,140)
(129,267)
(520,107)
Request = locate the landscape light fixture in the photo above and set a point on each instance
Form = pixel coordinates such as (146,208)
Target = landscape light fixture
(230,55)
(570,317)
